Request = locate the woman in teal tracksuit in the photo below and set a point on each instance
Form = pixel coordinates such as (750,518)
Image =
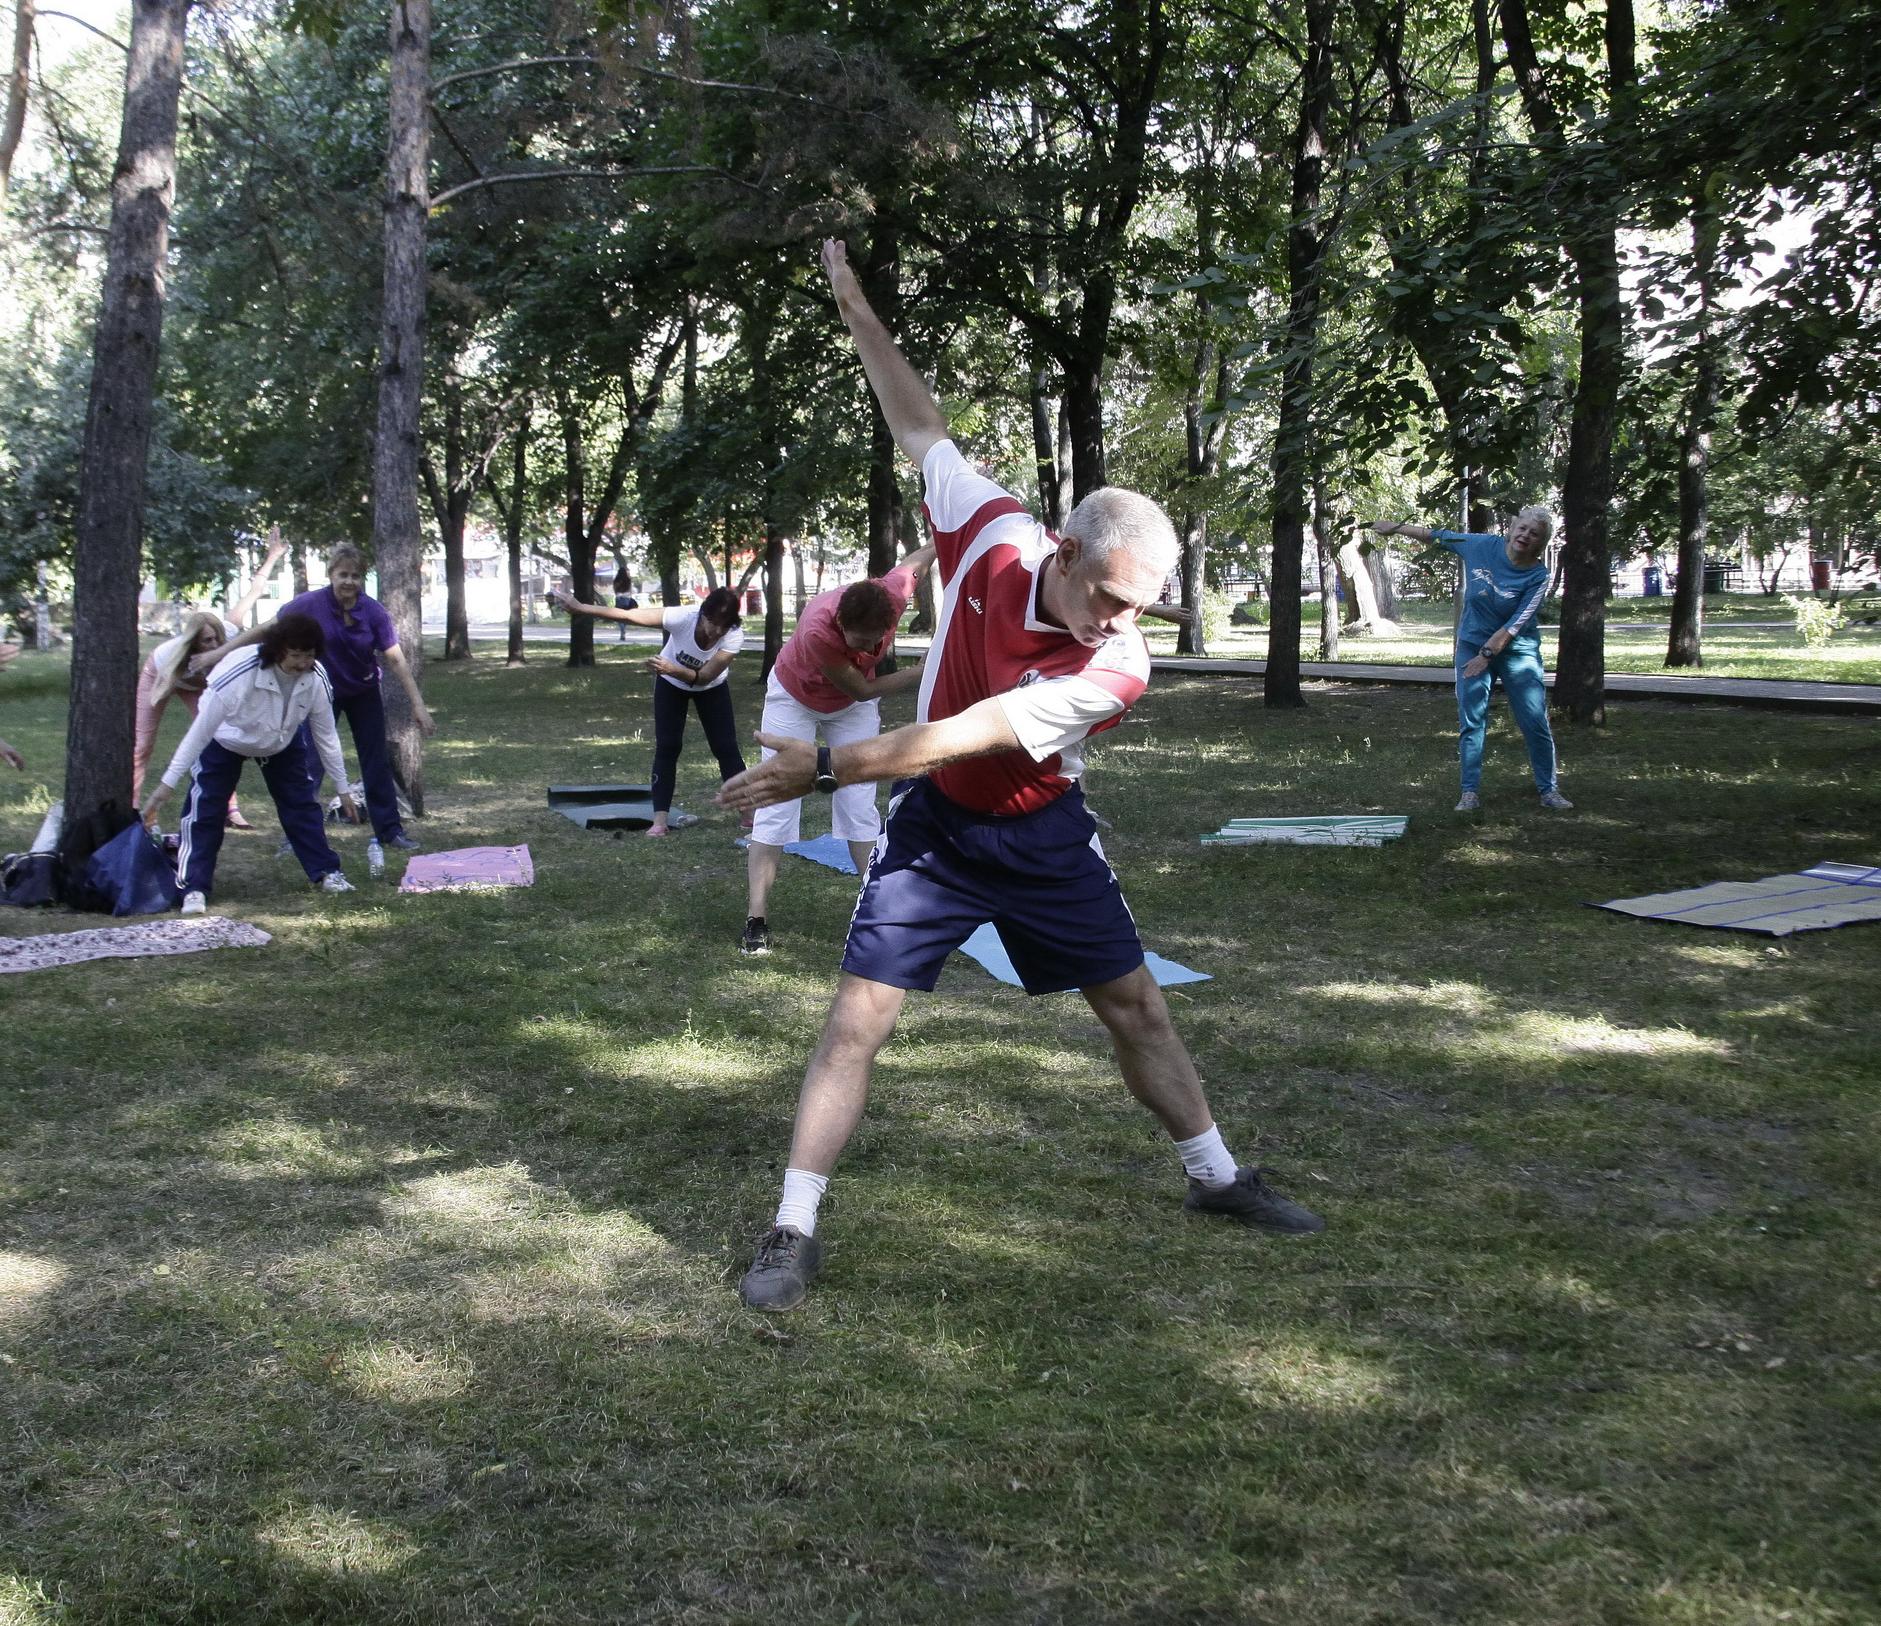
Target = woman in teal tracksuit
(1505,579)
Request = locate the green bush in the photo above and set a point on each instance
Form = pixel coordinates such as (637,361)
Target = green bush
(1816,622)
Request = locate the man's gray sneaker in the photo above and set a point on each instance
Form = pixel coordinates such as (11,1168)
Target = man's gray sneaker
(1468,802)
(786,1264)
(1253,1202)
(1555,800)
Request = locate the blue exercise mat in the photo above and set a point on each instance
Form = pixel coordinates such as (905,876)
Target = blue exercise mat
(829,851)
(989,952)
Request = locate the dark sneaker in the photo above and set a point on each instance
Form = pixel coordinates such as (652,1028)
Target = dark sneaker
(786,1264)
(402,843)
(1253,1202)
(756,938)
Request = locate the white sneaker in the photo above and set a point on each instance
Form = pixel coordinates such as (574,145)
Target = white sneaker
(1468,802)
(1554,799)
(335,881)
(194,903)
(375,858)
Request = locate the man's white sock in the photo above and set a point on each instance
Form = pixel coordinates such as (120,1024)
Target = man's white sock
(1206,1158)
(802,1192)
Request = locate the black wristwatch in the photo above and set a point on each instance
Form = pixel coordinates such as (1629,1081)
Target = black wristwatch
(825,774)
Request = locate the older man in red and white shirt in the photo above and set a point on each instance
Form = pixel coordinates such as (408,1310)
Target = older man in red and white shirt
(1036,648)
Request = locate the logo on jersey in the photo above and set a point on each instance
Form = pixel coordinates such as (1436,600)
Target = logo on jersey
(1033,676)
(977,610)
(1486,578)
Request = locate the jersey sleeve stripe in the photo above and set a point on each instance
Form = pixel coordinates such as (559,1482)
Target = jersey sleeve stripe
(950,545)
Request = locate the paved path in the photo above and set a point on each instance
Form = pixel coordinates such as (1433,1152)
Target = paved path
(1859,699)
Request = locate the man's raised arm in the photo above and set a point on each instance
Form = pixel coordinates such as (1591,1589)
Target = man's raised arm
(913,416)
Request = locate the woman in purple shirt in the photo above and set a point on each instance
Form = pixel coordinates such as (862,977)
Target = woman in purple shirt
(359,634)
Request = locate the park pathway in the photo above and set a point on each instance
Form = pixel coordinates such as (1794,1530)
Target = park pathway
(1850,699)
(1855,699)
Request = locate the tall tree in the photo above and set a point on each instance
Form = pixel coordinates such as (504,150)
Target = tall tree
(110,522)
(13,122)
(1307,236)
(1685,641)
(1587,184)
(398,545)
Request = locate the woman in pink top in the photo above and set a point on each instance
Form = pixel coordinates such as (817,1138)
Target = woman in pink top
(824,683)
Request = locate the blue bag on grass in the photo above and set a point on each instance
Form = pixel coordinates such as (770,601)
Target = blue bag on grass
(132,874)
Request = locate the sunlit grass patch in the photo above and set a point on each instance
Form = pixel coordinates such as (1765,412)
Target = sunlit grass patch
(336,1539)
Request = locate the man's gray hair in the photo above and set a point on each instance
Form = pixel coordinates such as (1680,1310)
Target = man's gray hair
(1111,518)
(342,553)
(1541,517)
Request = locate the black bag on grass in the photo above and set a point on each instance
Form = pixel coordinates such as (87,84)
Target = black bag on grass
(28,880)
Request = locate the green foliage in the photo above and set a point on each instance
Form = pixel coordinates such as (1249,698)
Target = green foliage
(1816,620)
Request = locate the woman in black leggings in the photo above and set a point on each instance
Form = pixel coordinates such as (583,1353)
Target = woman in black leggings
(690,669)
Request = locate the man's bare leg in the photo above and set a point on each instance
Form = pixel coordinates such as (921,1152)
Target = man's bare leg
(1160,1073)
(1155,1062)
(836,1083)
(860,852)
(835,1090)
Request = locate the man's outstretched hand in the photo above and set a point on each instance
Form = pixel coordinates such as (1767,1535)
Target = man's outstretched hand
(836,267)
(789,774)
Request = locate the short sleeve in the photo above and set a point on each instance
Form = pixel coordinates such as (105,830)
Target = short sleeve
(675,615)
(1052,716)
(384,634)
(959,502)
(731,643)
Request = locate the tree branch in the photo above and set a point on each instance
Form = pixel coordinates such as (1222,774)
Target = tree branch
(444,197)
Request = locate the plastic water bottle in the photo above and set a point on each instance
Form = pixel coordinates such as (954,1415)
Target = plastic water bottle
(375,858)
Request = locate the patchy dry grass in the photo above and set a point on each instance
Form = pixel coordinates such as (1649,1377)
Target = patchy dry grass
(387,1274)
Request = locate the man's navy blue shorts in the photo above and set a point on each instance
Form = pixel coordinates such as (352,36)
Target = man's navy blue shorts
(942,870)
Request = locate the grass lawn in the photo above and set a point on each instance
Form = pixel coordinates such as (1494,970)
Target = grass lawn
(387,1274)
(1737,643)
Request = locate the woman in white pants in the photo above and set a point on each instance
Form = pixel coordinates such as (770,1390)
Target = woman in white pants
(824,683)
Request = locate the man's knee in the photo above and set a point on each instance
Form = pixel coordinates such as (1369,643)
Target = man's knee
(1132,1006)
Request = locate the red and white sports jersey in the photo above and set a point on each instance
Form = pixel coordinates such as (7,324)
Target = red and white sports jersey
(991,641)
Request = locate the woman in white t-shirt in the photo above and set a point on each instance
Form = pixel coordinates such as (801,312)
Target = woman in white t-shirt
(690,670)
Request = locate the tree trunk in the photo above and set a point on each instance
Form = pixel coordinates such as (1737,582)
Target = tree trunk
(1359,580)
(1191,566)
(796,561)
(456,512)
(1045,447)
(884,494)
(17,81)
(297,559)
(1685,644)
(109,528)
(575,535)
(398,544)
(512,539)
(1305,250)
(773,593)
(1084,408)
(1587,495)
(1328,576)
(711,570)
